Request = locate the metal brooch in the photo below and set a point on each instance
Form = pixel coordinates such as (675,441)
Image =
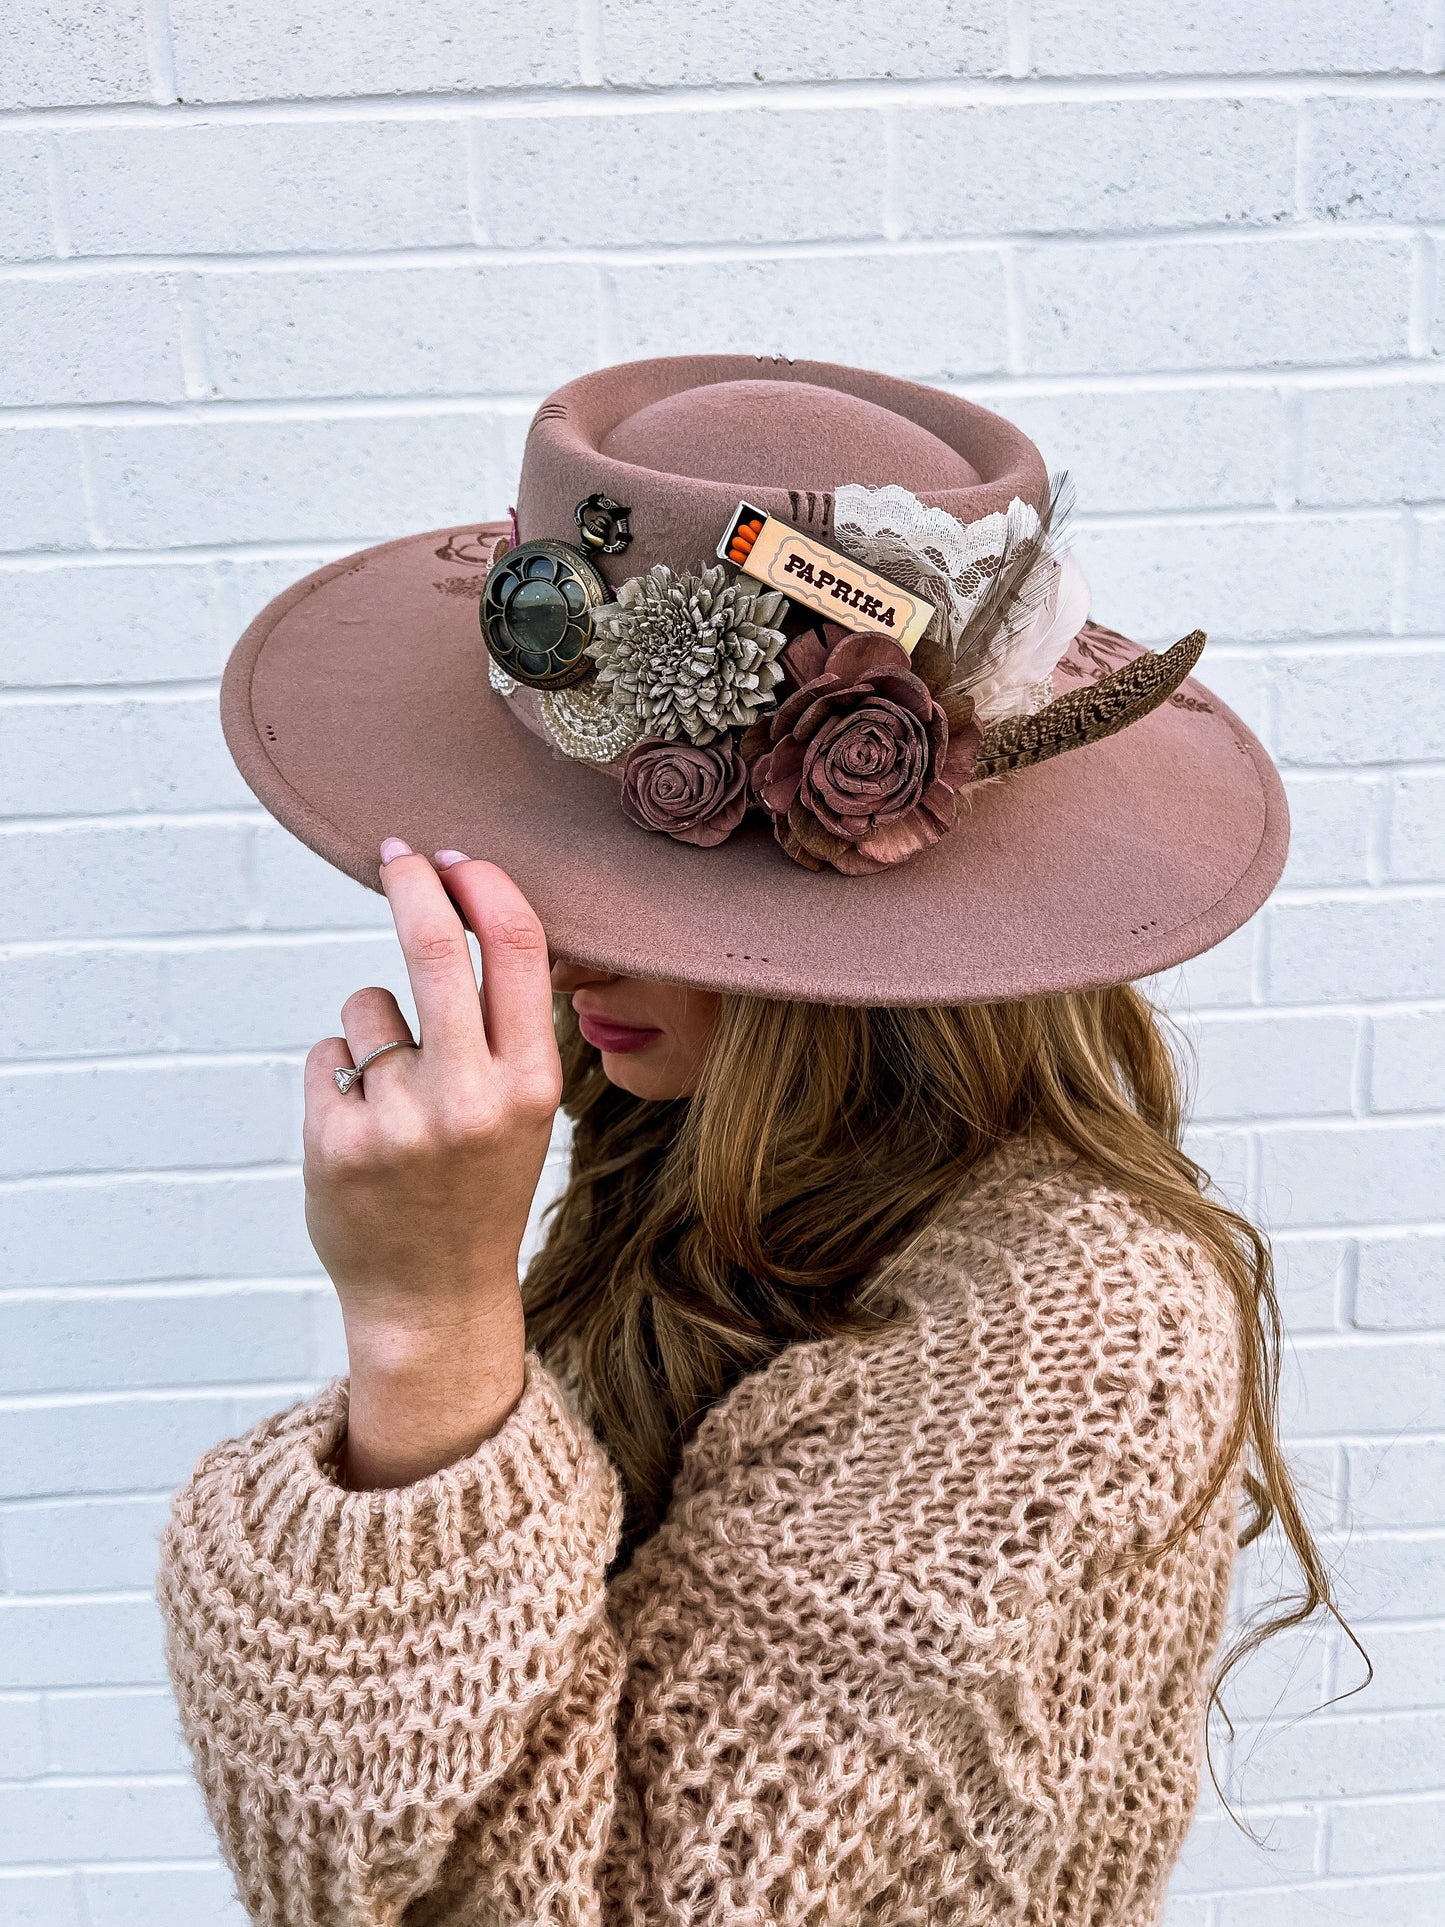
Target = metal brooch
(536,613)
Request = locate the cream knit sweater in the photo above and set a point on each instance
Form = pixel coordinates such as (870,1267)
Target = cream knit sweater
(891,1658)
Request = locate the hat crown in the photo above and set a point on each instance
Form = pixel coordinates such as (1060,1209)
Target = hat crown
(680,439)
(754,434)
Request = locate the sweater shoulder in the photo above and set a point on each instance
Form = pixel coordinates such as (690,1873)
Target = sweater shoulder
(1103,1339)
(1039,1223)
(1057,1390)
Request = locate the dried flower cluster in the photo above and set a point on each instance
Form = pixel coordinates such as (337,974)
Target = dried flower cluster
(691,655)
(860,767)
(853,750)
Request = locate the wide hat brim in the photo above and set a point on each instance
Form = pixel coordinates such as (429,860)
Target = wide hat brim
(357,706)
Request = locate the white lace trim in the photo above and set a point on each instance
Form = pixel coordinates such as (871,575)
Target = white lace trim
(961,550)
(952,564)
(581,721)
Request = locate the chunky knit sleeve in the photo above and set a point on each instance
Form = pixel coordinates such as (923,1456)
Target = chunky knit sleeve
(361,1675)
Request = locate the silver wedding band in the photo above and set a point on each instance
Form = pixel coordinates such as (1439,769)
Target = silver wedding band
(345,1077)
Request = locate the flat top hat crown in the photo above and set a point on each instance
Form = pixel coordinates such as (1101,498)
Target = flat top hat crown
(679,440)
(730,694)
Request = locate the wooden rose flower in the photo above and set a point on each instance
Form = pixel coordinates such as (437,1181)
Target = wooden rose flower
(694,792)
(858,767)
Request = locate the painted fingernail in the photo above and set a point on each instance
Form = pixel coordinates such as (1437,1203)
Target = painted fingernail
(444,859)
(392,847)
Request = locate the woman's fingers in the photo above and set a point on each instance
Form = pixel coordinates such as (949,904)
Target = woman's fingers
(370,1019)
(438,960)
(516,975)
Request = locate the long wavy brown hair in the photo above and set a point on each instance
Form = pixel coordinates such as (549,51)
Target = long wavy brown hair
(695,1239)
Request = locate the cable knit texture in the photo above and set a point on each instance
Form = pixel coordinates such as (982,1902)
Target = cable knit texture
(895,1654)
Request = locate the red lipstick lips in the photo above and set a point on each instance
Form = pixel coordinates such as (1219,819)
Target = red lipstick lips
(605,1035)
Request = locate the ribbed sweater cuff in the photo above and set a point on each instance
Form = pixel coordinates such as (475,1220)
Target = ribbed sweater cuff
(540,1488)
(302,1615)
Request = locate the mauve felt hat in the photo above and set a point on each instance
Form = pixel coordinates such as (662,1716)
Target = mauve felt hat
(761,689)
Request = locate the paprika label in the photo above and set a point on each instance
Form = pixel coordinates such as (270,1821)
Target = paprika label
(832,585)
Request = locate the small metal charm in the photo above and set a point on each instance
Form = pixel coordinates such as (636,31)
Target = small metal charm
(537,613)
(603,524)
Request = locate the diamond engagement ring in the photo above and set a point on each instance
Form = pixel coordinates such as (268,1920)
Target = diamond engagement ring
(346,1078)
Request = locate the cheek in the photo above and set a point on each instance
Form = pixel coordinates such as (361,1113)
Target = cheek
(694,1024)
(671,1068)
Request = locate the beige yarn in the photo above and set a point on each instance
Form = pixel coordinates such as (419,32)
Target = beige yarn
(893,1656)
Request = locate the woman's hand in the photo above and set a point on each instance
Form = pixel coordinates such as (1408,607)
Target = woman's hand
(420,1177)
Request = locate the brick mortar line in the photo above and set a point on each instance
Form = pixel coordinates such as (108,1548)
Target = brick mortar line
(1325,380)
(126,816)
(620,99)
(1341,1883)
(1394,892)
(226,816)
(136,1689)
(111,1596)
(1385,513)
(1355,1534)
(1362,1533)
(56,1781)
(160,51)
(110,695)
(201,1174)
(18,1178)
(292,1388)
(269,410)
(63,1869)
(194,1284)
(170,1291)
(181,690)
(198,555)
(186,1862)
(1305,1344)
(1260,234)
(1187,1020)
(181,942)
(160,1060)
(590,43)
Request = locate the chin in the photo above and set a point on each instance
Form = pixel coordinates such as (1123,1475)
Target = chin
(630,1071)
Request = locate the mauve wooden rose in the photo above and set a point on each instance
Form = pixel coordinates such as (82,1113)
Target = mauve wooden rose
(696,793)
(859,772)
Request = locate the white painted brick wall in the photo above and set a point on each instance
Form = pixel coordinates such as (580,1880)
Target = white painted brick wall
(266,295)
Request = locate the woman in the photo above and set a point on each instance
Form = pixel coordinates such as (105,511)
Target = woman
(852,1543)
